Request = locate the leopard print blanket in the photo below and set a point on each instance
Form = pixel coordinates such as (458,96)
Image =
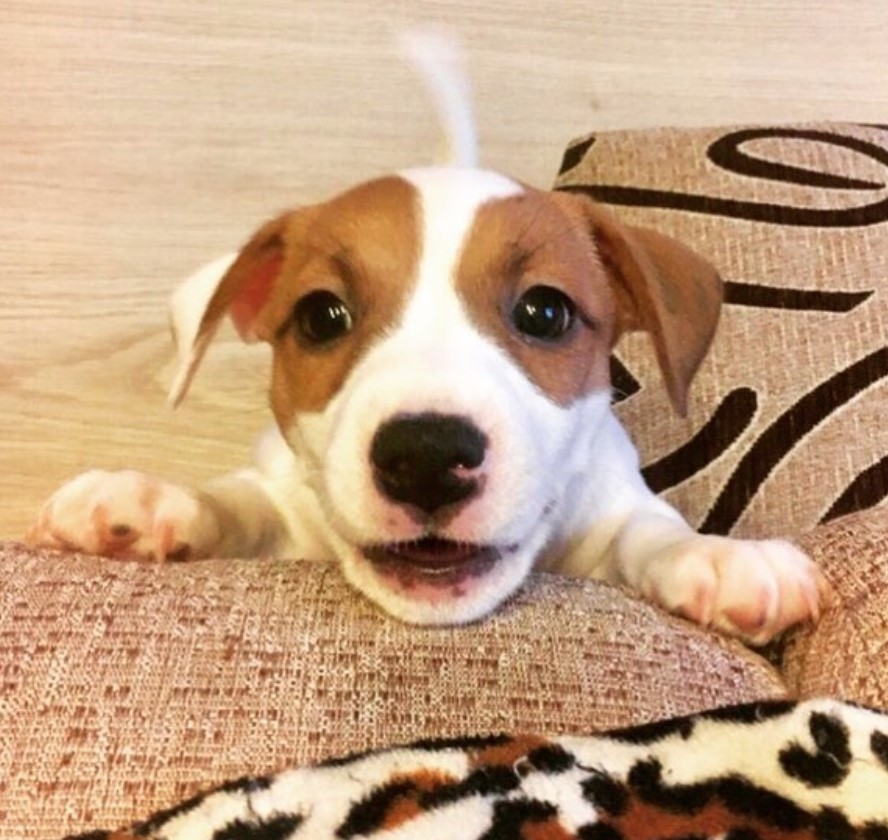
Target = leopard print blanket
(766,771)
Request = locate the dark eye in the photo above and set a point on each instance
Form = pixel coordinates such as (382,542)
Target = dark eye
(321,317)
(544,313)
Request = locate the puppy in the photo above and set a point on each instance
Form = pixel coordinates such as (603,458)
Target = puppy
(440,388)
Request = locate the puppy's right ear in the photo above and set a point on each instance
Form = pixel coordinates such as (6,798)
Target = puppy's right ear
(236,285)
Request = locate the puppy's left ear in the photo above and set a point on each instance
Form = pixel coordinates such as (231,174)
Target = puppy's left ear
(237,286)
(664,288)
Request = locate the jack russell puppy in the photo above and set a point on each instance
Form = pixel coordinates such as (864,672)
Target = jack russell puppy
(440,387)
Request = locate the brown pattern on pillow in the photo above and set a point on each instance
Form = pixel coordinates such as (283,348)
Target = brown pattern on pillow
(785,429)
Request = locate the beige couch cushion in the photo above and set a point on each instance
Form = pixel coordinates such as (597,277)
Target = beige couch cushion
(127,687)
(786,428)
(846,655)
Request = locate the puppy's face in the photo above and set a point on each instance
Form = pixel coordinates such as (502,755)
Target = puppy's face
(441,342)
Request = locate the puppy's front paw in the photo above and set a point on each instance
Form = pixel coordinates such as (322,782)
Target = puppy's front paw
(127,515)
(748,588)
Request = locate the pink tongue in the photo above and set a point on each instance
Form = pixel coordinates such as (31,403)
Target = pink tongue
(434,553)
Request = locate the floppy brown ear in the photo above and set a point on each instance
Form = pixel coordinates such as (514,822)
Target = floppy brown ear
(664,288)
(237,286)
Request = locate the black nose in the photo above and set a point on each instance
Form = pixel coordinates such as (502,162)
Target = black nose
(422,459)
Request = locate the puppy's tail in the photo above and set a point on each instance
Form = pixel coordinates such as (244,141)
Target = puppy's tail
(440,62)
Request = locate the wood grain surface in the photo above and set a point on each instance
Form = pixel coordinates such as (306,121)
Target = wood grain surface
(140,139)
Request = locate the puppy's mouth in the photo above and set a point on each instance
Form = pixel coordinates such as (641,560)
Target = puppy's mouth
(432,561)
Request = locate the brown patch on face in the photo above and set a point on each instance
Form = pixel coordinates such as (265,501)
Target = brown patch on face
(528,240)
(362,246)
(620,277)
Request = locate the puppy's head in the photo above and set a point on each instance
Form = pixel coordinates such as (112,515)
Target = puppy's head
(440,342)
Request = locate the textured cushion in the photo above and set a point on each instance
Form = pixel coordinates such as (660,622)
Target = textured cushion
(846,655)
(127,687)
(787,422)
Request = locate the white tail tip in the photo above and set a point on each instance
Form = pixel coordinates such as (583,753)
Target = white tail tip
(440,62)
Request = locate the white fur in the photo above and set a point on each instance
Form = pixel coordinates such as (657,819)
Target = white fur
(187,306)
(441,64)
